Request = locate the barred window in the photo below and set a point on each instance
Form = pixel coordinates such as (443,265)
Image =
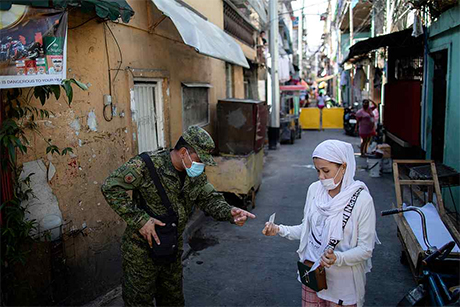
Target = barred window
(195,104)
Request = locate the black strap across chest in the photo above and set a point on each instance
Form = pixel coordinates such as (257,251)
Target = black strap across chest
(156,180)
(346,216)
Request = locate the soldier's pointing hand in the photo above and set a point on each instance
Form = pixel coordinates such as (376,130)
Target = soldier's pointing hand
(148,231)
(240,216)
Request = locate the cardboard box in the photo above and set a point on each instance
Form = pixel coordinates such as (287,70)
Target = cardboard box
(385,150)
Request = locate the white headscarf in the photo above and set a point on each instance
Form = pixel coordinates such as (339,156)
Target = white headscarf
(332,209)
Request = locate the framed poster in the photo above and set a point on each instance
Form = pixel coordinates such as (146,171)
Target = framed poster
(33,44)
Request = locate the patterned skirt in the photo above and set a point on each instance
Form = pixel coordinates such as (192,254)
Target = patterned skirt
(311,299)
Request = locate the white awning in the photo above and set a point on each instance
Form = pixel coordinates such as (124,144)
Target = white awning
(204,36)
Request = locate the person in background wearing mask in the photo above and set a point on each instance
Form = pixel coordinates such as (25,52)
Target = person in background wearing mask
(347,260)
(181,173)
(365,119)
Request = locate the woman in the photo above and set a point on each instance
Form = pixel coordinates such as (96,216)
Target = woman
(365,119)
(327,200)
(321,104)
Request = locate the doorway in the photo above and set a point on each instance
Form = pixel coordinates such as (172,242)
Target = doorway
(438,120)
(148,115)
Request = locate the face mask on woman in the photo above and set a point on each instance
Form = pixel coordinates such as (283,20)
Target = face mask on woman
(329,184)
(196,169)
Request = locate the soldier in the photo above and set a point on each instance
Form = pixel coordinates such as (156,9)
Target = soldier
(181,173)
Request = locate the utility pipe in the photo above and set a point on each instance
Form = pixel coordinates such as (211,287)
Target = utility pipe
(274,128)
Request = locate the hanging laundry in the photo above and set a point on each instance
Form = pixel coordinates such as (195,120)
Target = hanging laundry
(360,79)
(284,68)
(344,76)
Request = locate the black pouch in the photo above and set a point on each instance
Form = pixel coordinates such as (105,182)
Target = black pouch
(168,239)
(167,251)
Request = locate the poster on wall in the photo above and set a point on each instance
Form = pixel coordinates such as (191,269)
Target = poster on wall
(32,47)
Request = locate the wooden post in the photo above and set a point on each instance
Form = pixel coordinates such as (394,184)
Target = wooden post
(397,185)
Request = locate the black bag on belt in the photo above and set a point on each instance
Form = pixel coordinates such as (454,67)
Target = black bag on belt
(167,250)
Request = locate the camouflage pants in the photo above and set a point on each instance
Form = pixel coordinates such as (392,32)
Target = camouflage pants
(144,280)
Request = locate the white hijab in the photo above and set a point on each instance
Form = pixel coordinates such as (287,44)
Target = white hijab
(331,210)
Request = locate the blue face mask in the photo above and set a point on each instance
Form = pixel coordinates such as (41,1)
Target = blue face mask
(196,169)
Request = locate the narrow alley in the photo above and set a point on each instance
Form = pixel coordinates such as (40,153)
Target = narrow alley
(247,268)
(135,135)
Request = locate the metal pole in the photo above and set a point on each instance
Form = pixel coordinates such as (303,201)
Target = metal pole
(274,129)
(352,89)
(388,21)
(301,21)
(373,21)
(351,24)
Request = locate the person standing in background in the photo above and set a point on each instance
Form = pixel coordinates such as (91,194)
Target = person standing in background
(321,104)
(365,119)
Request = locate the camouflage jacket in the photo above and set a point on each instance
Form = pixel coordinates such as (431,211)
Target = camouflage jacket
(134,175)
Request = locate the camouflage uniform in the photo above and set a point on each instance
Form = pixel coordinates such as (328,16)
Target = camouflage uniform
(143,279)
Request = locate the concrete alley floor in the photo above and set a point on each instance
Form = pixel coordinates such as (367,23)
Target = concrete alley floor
(242,267)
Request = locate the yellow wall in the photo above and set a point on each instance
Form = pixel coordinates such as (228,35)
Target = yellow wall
(213,10)
(160,54)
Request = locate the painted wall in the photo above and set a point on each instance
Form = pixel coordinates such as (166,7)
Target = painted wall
(212,10)
(445,34)
(94,259)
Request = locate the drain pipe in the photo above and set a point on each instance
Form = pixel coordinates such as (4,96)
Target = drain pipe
(274,128)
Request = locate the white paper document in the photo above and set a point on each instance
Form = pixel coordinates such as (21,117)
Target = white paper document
(272,218)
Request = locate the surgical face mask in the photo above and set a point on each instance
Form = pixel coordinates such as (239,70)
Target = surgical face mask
(329,184)
(196,169)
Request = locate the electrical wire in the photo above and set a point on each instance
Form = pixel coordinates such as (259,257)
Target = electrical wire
(171,39)
(300,9)
(400,5)
(361,27)
(104,112)
(82,24)
(153,33)
(119,51)
(110,79)
(108,59)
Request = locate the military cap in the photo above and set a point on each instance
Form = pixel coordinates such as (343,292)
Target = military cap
(201,142)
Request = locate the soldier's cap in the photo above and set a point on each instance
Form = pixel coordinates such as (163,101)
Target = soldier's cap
(201,142)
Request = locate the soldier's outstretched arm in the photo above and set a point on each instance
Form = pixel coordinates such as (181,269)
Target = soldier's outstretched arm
(213,203)
(115,189)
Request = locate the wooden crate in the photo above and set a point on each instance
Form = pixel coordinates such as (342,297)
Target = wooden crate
(409,242)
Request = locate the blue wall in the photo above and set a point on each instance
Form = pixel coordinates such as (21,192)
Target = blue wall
(445,34)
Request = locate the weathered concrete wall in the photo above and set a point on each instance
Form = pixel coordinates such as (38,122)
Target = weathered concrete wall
(100,146)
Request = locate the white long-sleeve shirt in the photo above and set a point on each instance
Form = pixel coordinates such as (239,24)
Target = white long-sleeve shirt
(360,241)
